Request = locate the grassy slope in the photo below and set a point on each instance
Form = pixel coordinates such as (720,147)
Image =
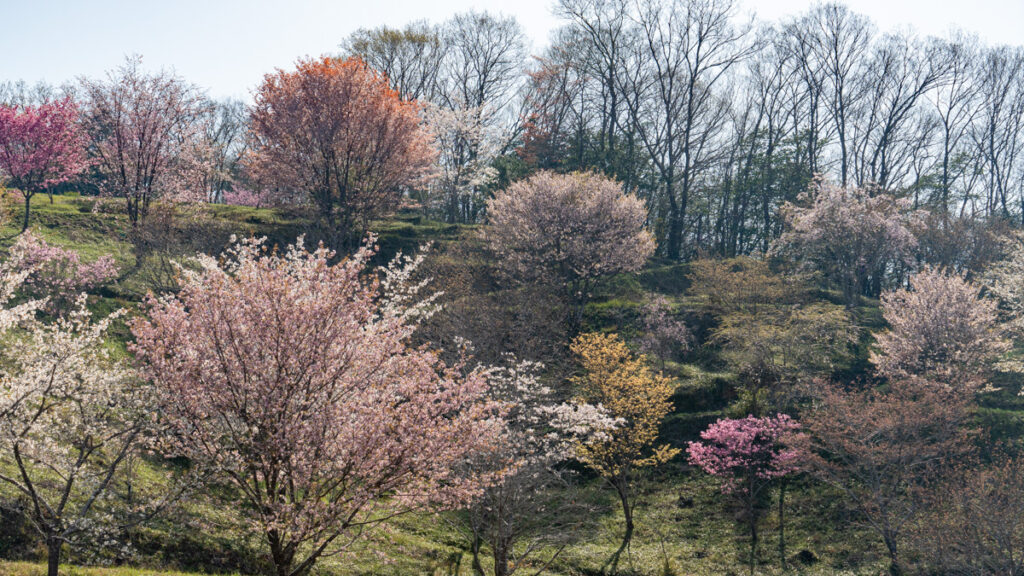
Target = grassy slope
(672,533)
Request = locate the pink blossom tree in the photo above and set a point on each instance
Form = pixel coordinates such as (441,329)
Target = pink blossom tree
(293,379)
(569,230)
(748,455)
(142,128)
(855,236)
(57,274)
(40,147)
(940,329)
(663,335)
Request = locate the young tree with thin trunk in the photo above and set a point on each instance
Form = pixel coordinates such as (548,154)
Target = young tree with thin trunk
(749,455)
(138,126)
(628,389)
(40,147)
(293,379)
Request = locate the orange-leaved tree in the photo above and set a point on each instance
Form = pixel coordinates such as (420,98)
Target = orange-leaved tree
(625,385)
(335,131)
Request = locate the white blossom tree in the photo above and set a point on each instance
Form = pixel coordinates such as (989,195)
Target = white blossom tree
(70,416)
(532,507)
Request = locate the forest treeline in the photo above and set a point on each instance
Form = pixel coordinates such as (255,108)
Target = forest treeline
(714,118)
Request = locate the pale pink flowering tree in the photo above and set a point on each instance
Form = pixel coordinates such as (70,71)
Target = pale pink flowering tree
(855,236)
(570,230)
(142,129)
(40,147)
(748,455)
(940,329)
(663,335)
(293,379)
(58,274)
(245,197)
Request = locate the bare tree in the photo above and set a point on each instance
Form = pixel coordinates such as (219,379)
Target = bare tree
(689,47)
(411,58)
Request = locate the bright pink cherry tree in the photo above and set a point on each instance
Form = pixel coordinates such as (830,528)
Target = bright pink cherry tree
(293,379)
(40,147)
(748,455)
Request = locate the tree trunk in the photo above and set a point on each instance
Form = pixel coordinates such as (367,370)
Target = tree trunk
(501,552)
(782,524)
(894,559)
(53,545)
(280,554)
(753,540)
(622,488)
(675,236)
(477,567)
(28,202)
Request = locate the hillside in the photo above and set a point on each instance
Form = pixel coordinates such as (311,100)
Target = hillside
(683,526)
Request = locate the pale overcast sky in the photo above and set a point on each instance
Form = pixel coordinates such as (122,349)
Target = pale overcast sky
(227,45)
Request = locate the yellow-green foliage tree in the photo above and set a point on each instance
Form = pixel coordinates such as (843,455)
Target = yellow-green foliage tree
(626,386)
(770,329)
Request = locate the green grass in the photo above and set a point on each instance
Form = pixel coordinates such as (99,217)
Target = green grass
(34,569)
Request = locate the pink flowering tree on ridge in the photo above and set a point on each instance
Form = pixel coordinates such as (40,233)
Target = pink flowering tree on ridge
(748,455)
(293,380)
(40,147)
(56,274)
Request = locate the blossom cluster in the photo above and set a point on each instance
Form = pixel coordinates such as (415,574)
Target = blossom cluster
(747,450)
(57,274)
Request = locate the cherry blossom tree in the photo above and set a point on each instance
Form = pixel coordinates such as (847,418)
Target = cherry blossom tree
(748,455)
(40,147)
(940,328)
(70,416)
(293,379)
(855,236)
(570,229)
(140,126)
(534,507)
(466,147)
(663,335)
(335,131)
(56,274)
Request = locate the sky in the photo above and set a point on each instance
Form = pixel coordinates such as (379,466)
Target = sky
(226,46)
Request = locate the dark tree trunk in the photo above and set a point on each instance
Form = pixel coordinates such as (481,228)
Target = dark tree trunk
(501,554)
(53,545)
(622,487)
(782,524)
(477,567)
(28,202)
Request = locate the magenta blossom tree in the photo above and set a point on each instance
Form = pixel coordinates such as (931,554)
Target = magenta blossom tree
(292,379)
(40,147)
(748,455)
